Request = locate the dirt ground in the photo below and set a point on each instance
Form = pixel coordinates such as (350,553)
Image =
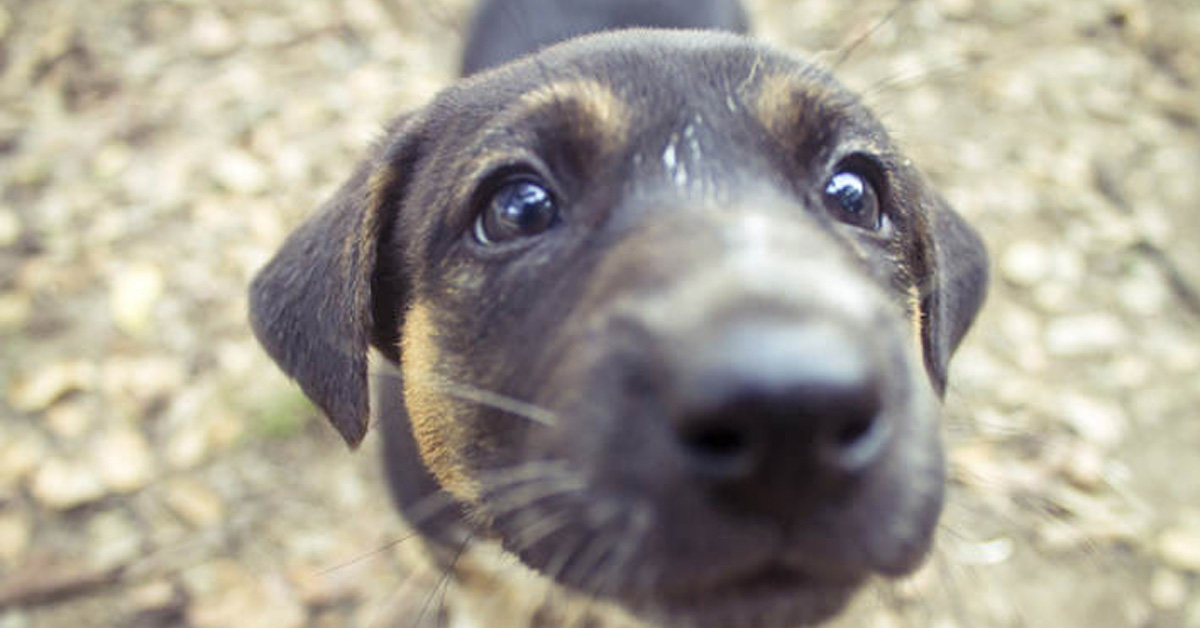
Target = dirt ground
(156,470)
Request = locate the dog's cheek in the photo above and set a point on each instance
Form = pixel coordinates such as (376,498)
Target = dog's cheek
(441,439)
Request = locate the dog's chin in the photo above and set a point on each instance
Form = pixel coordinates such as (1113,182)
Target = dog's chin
(772,597)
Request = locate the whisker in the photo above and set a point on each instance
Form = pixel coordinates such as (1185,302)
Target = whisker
(539,530)
(396,600)
(633,534)
(601,552)
(426,508)
(526,493)
(443,582)
(364,556)
(527,471)
(557,565)
(480,396)
(902,80)
(854,44)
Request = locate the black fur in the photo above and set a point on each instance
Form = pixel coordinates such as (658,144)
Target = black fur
(696,295)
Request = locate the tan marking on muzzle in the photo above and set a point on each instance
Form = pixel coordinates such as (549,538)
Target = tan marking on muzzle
(439,436)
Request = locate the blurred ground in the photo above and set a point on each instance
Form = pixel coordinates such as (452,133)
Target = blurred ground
(155,470)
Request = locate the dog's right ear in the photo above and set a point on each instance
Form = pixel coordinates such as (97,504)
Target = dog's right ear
(335,286)
(958,289)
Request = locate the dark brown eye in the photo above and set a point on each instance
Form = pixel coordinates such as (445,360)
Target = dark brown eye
(517,209)
(851,198)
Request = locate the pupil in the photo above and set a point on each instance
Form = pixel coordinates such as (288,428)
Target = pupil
(526,206)
(530,201)
(848,189)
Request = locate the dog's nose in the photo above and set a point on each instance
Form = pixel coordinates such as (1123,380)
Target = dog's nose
(776,411)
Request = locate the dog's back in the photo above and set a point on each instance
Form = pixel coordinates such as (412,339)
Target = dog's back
(503,30)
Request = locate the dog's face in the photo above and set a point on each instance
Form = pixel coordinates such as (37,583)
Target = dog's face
(673,316)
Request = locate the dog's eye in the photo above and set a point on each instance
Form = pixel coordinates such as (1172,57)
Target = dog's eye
(852,198)
(519,208)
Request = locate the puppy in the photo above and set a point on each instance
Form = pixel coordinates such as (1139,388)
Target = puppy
(664,319)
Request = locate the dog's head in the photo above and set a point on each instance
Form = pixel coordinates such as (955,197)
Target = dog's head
(672,314)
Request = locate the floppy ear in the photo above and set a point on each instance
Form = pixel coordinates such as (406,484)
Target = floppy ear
(336,286)
(959,286)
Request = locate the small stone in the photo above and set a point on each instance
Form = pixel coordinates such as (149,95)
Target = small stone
(212,34)
(1191,616)
(69,419)
(1130,372)
(195,503)
(152,596)
(1144,294)
(1101,423)
(15,311)
(112,159)
(10,227)
(1132,17)
(1085,335)
(1180,547)
(318,588)
(1155,224)
(1168,590)
(143,379)
(223,594)
(224,428)
(186,448)
(15,534)
(1025,263)
(20,454)
(15,618)
(113,540)
(134,293)
(240,172)
(38,389)
(986,553)
(123,460)
(1056,297)
(5,21)
(1084,467)
(1182,356)
(956,8)
(64,484)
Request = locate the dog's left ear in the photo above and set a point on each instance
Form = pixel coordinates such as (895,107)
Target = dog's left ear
(959,287)
(336,286)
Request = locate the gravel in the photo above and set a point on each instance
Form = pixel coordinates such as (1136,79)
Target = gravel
(157,470)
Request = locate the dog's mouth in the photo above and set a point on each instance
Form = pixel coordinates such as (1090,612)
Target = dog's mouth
(774,593)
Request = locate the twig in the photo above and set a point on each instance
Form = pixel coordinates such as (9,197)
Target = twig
(42,585)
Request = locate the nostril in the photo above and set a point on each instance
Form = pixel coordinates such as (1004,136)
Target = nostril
(715,442)
(851,433)
(857,443)
(792,404)
(717,452)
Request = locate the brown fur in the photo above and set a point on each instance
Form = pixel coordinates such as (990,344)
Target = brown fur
(430,411)
(559,388)
(596,114)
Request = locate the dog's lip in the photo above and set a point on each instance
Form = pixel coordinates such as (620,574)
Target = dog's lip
(772,590)
(773,579)
(773,576)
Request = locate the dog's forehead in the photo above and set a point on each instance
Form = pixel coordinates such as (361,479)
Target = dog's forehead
(634,87)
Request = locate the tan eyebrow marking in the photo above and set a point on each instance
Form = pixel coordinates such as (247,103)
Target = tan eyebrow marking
(601,115)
